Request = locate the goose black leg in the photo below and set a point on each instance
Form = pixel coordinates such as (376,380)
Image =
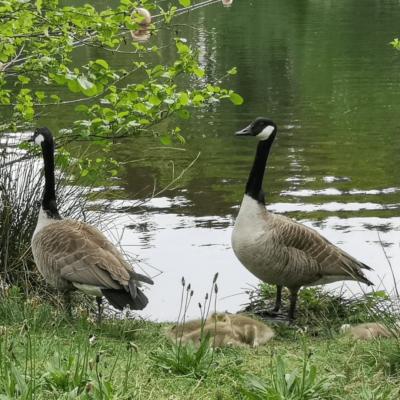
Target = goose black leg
(293,300)
(278,301)
(99,301)
(67,302)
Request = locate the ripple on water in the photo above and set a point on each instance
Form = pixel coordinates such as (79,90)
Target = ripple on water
(337,192)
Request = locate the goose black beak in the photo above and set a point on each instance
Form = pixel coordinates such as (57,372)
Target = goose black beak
(244,132)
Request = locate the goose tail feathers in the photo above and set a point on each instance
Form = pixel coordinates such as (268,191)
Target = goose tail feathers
(121,298)
(364,266)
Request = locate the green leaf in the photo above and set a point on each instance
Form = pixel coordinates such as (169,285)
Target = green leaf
(181,138)
(23,146)
(102,63)
(85,84)
(153,99)
(99,87)
(82,108)
(40,95)
(140,107)
(132,96)
(23,79)
(90,92)
(185,114)
(199,72)
(182,48)
(197,100)
(74,86)
(84,172)
(236,99)
(233,71)
(184,99)
(166,140)
(18,377)
(60,80)
(185,3)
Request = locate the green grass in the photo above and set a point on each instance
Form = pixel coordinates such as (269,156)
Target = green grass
(45,355)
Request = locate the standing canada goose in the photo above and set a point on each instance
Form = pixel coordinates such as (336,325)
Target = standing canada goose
(73,255)
(276,249)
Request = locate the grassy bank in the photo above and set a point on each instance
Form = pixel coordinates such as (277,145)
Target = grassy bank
(46,355)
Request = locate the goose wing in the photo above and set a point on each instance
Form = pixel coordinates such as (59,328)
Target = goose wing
(84,255)
(331,260)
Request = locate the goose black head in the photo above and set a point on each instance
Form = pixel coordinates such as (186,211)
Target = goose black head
(42,135)
(261,128)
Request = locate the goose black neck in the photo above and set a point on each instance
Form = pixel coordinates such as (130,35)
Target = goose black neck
(49,197)
(255,181)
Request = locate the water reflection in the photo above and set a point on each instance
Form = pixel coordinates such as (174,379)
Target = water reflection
(142,34)
(227,3)
(176,245)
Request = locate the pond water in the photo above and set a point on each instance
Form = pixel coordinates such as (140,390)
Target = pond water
(325,73)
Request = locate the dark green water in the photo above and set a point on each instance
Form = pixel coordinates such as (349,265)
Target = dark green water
(325,73)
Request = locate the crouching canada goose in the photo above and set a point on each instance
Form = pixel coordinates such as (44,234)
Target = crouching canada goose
(249,330)
(225,330)
(73,255)
(276,249)
(371,330)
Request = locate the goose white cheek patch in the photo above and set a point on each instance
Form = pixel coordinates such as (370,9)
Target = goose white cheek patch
(265,133)
(39,139)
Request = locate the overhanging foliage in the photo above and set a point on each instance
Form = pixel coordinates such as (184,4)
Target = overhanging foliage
(37,42)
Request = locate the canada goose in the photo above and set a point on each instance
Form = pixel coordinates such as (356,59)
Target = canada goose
(276,249)
(73,255)
(221,335)
(250,331)
(224,328)
(179,330)
(371,330)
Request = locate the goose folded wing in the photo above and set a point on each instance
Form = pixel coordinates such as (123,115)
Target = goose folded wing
(330,259)
(84,255)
